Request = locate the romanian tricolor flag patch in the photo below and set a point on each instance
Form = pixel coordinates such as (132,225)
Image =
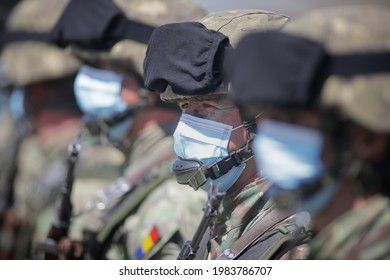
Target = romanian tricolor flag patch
(147,244)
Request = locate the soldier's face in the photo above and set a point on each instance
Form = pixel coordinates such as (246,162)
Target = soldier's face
(219,110)
(130,92)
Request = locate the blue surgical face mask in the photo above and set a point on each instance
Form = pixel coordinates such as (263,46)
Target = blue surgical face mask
(206,141)
(97,92)
(16,103)
(288,155)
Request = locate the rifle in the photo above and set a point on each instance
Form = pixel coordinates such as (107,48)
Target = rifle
(63,209)
(191,247)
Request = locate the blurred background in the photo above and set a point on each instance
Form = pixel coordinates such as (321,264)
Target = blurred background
(288,7)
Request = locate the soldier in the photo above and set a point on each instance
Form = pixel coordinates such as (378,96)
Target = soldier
(146,199)
(324,139)
(45,73)
(185,62)
(8,150)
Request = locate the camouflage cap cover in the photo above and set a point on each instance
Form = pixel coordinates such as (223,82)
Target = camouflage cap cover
(130,54)
(353,29)
(47,61)
(233,24)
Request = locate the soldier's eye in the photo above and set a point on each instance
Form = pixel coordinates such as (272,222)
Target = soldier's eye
(209,106)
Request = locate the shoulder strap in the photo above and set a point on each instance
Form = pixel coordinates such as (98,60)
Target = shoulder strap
(271,218)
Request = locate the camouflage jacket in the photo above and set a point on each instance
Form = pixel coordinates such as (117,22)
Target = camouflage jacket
(7,146)
(362,233)
(122,217)
(249,226)
(97,166)
(36,157)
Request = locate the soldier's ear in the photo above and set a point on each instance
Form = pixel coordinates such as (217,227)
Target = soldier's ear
(369,145)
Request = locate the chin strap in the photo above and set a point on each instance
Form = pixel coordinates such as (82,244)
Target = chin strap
(193,173)
(219,168)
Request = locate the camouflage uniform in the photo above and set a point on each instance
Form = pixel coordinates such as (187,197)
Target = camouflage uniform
(8,150)
(116,220)
(149,177)
(352,221)
(237,225)
(44,160)
(363,232)
(39,157)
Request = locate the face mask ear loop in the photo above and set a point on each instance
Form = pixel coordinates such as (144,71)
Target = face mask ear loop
(251,127)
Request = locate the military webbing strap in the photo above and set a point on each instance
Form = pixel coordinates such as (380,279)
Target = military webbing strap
(272,217)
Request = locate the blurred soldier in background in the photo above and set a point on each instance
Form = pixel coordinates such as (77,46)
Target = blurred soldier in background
(146,199)
(45,74)
(185,62)
(324,138)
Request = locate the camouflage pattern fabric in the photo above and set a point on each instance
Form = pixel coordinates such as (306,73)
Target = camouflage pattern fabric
(166,213)
(20,57)
(7,130)
(236,214)
(352,29)
(146,154)
(35,156)
(240,213)
(7,152)
(96,167)
(362,233)
(40,158)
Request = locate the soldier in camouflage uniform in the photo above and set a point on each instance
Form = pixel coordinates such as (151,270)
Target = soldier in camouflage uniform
(46,74)
(212,142)
(331,124)
(146,199)
(8,150)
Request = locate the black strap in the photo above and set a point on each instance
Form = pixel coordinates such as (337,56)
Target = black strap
(134,30)
(223,166)
(364,63)
(92,24)
(11,37)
